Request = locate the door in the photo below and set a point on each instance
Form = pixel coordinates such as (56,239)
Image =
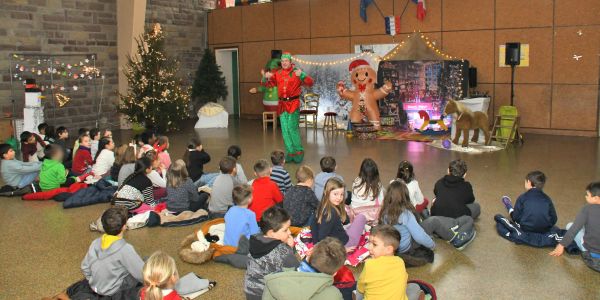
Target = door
(227,59)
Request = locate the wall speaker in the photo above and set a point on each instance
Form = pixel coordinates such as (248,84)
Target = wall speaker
(513,54)
(276,53)
(472,77)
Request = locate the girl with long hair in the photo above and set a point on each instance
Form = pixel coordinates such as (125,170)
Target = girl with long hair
(367,189)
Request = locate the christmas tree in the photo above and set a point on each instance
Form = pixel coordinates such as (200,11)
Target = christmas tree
(156,96)
(209,84)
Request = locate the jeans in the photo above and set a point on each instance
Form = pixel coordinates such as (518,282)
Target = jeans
(206,179)
(27,179)
(578,237)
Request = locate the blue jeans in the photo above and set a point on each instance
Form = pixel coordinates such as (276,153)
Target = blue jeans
(206,179)
(27,179)
(578,237)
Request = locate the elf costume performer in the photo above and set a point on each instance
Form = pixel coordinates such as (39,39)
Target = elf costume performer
(270,96)
(288,81)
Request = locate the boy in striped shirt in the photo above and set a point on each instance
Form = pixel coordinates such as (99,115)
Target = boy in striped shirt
(279,175)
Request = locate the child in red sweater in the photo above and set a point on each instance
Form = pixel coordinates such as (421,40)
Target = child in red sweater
(160,275)
(83,157)
(265,192)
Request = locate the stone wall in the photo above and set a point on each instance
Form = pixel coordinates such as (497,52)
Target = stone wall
(184,23)
(62,27)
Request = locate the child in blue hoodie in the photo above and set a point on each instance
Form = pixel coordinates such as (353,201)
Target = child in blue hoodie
(533,210)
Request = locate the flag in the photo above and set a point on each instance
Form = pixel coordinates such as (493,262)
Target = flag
(392,25)
(421,10)
(363,8)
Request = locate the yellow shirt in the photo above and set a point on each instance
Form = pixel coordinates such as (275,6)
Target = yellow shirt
(108,240)
(383,278)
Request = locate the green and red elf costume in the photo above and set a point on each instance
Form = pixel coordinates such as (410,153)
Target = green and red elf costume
(270,95)
(289,86)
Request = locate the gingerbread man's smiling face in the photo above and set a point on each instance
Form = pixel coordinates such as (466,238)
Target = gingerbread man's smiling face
(363,78)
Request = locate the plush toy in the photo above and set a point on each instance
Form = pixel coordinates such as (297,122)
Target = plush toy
(467,120)
(427,121)
(364,96)
(270,96)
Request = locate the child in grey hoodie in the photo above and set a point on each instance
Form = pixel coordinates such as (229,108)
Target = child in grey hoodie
(111,264)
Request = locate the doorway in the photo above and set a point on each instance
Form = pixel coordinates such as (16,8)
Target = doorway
(227,59)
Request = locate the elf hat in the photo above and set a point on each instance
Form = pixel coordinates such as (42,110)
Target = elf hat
(359,63)
(286,55)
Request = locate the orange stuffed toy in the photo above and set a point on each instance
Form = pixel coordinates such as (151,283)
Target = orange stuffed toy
(364,96)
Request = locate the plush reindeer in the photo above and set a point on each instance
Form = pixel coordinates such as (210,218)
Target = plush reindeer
(466,120)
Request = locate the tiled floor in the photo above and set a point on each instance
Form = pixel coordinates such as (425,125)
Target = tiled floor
(42,244)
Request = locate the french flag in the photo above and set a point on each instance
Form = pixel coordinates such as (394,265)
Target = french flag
(421,10)
(392,25)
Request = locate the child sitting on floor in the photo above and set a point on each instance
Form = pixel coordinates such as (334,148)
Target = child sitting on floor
(195,157)
(314,278)
(105,158)
(135,193)
(94,141)
(454,195)
(384,274)
(126,162)
(265,192)
(397,210)
(82,161)
(236,152)
(158,174)
(331,219)
(80,132)
(406,174)
(367,189)
(585,231)
(534,210)
(221,196)
(111,266)
(300,201)
(29,146)
(328,167)
(62,135)
(15,173)
(161,146)
(239,220)
(145,141)
(53,173)
(160,275)
(270,251)
(278,174)
(182,194)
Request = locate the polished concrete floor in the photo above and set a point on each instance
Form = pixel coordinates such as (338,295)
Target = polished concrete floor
(42,244)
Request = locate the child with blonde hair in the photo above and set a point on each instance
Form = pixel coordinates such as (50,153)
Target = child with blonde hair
(182,194)
(160,275)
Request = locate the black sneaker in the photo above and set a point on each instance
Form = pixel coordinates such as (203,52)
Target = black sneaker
(463,239)
(24,190)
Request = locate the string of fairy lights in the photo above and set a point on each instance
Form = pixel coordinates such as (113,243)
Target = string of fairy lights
(376,57)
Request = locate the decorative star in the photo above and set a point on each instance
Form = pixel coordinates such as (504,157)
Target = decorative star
(577,57)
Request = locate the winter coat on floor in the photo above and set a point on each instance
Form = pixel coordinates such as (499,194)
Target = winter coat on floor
(534,211)
(300,285)
(267,256)
(100,192)
(452,196)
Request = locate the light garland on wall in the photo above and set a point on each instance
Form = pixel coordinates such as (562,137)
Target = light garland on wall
(335,62)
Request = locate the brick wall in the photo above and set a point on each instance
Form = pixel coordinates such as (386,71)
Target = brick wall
(62,27)
(184,23)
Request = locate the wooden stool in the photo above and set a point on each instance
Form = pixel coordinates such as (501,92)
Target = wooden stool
(330,122)
(269,117)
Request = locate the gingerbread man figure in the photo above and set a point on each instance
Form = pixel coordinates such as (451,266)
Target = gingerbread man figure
(364,96)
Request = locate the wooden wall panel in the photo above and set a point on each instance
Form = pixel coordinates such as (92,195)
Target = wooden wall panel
(567,43)
(480,52)
(577,12)
(329,18)
(257,23)
(575,107)
(468,14)
(255,55)
(514,14)
(250,104)
(292,19)
(532,100)
(294,46)
(540,55)
(337,45)
(227,25)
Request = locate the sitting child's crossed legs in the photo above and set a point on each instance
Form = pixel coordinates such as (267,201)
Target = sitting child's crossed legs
(445,227)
